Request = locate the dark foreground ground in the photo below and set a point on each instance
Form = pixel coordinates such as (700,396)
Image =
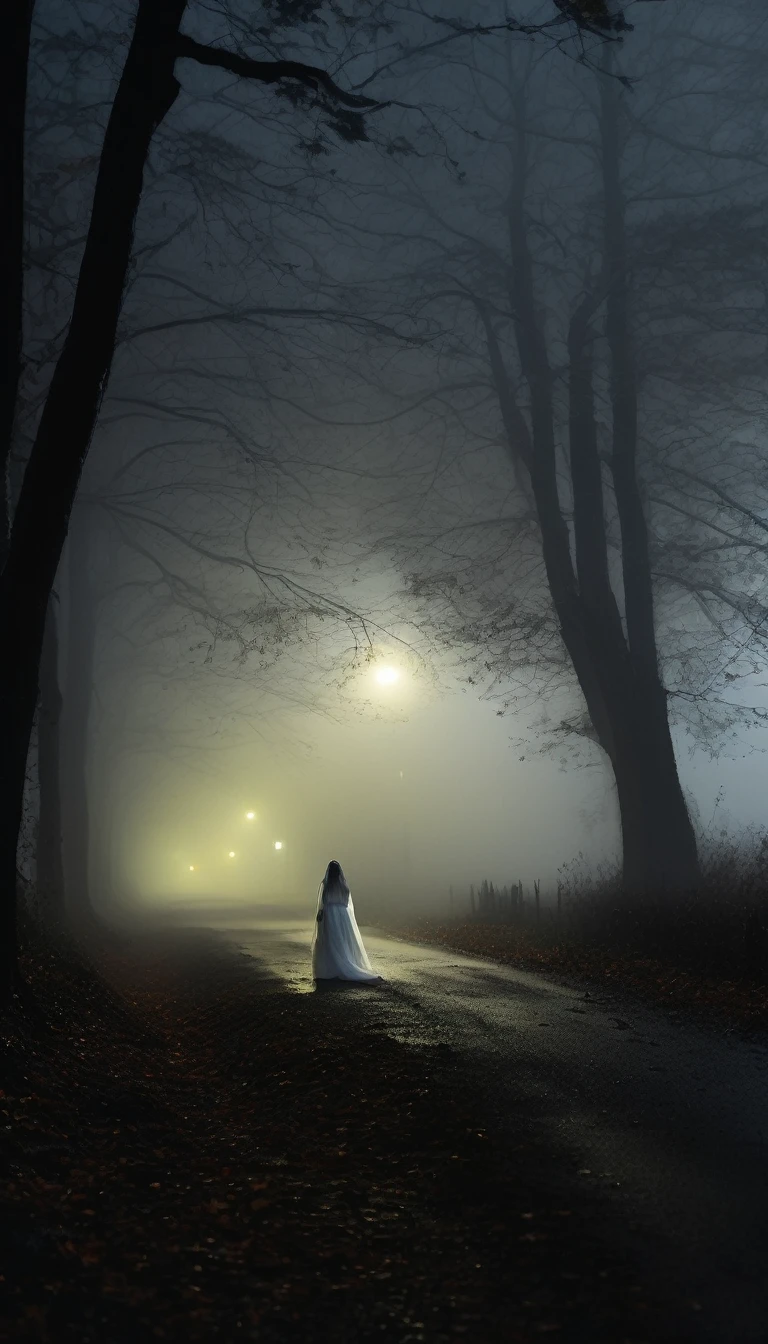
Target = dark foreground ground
(194,1150)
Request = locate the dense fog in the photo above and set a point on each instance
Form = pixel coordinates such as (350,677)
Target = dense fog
(304,576)
(383,670)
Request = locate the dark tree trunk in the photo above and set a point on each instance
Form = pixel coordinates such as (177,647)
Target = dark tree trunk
(50,874)
(14,65)
(14,68)
(659,839)
(146,92)
(618,673)
(78,699)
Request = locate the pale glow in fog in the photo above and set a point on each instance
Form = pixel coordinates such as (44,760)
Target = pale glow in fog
(408,807)
(278,844)
(231,853)
(249,816)
(387,676)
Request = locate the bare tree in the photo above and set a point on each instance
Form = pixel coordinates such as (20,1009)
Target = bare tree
(541,321)
(146,92)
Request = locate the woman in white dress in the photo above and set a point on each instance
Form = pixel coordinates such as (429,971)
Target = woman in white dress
(337,948)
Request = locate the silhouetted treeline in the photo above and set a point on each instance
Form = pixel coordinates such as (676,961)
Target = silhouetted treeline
(511,903)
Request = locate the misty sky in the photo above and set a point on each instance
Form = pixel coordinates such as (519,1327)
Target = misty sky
(265,486)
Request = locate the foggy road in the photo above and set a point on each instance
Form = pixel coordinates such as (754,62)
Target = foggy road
(383,412)
(661,1121)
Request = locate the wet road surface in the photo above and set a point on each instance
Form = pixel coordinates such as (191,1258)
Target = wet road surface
(661,1122)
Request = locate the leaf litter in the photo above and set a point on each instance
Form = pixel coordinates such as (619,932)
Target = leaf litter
(187,1156)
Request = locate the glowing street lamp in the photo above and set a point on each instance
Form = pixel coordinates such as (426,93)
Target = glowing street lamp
(387,676)
(278,844)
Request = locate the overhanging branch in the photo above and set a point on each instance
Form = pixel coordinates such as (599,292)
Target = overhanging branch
(274,72)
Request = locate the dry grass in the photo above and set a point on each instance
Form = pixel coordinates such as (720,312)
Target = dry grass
(704,950)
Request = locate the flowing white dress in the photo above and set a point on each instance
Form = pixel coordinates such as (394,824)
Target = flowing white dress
(337,947)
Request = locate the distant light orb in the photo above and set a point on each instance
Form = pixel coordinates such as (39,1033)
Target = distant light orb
(249,816)
(387,676)
(191,867)
(231,853)
(278,844)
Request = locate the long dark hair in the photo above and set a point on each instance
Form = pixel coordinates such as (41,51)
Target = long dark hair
(334,877)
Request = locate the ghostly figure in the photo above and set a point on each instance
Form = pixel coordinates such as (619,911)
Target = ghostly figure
(337,948)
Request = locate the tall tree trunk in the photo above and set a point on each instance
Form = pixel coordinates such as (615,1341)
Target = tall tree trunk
(78,699)
(50,874)
(660,842)
(579,633)
(146,92)
(618,674)
(14,66)
(659,845)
